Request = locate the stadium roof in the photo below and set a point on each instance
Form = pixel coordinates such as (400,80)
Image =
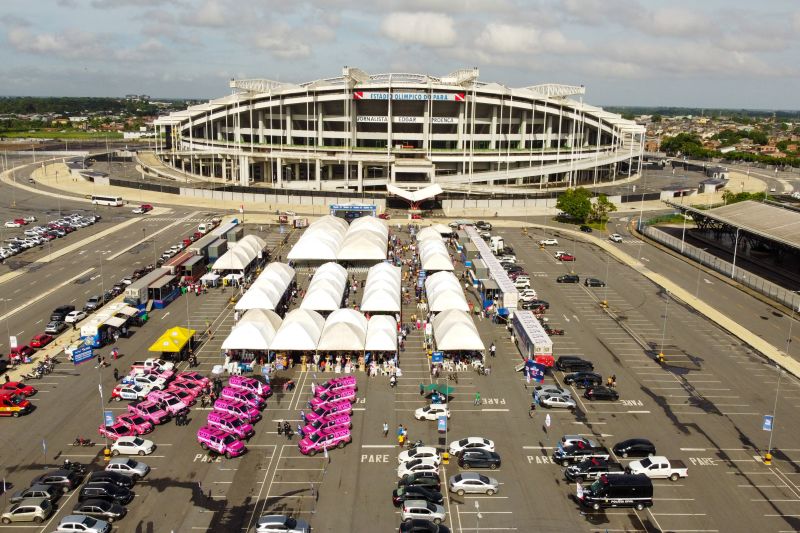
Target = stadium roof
(765,220)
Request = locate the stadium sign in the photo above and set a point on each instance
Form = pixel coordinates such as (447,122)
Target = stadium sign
(375,95)
(382,119)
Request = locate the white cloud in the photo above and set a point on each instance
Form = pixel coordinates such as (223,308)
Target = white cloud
(112,4)
(69,44)
(522,40)
(422,27)
(796,20)
(283,42)
(211,14)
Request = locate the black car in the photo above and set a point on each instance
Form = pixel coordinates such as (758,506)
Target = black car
(583,379)
(594,282)
(484,226)
(507,250)
(60,312)
(118,289)
(592,469)
(102,509)
(513,268)
(635,448)
(401,494)
(111,477)
(572,363)
(580,451)
(601,392)
(105,491)
(568,278)
(479,458)
(429,480)
(66,479)
(420,525)
(586,229)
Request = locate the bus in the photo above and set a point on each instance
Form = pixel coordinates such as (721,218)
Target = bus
(107,200)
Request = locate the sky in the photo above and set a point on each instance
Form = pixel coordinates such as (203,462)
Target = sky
(710,53)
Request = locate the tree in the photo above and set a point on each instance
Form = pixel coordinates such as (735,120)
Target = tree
(575,203)
(656,118)
(601,209)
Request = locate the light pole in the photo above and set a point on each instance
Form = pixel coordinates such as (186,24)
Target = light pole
(735,249)
(768,456)
(664,328)
(477,516)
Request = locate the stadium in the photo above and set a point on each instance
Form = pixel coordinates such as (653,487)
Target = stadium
(364,131)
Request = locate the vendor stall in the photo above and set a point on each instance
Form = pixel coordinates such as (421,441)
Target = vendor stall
(175,344)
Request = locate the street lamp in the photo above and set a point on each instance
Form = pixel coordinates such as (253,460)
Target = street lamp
(735,249)
(768,456)
(664,328)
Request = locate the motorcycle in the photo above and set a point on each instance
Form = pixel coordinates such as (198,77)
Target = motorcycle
(393,381)
(31,375)
(416,444)
(80,441)
(74,467)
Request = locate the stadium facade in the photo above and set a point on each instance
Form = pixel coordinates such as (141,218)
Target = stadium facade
(360,131)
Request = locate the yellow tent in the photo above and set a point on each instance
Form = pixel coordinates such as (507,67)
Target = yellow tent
(173,340)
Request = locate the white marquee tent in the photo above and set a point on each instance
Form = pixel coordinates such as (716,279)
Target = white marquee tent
(326,290)
(345,330)
(381,334)
(268,289)
(453,330)
(366,239)
(382,290)
(240,254)
(255,331)
(299,331)
(444,292)
(427,234)
(434,255)
(320,241)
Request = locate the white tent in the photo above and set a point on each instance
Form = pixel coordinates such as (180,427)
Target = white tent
(362,246)
(382,290)
(381,334)
(345,330)
(444,292)
(369,223)
(434,255)
(262,316)
(443,229)
(320,241)
(428,233)
(300,330)
(326,290)
(268,289)
(252,335)
(454,330)
(240,254)
(276,270)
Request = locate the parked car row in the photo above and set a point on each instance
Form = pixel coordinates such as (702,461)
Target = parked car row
(328,424)
(39,235)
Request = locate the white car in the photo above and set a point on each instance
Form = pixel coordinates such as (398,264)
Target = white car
(130,392)
(560,401)
(431,412)
(527,295)
(508,259)
(83,523)
(559,253)
(146,380)
(12,224)
(132,446)
(471,443)
(139,211)
(522,283)
(417,465)
(74,316)
(128,467)
(29,218)
(421,509)
(553,390)
(616,237)
(548,242)
(422,452)
(472,483)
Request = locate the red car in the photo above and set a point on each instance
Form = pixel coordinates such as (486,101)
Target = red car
(384,216)
(566,257)
(193,377)
(20,352)
(18,387)
(21,221)
(135,423)
(416,216)
(41,340)
(116,431)
(186,386)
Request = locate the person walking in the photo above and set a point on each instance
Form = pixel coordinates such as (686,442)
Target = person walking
(385,429)
(477,398)
(280,429)
(116,375)
(492,349)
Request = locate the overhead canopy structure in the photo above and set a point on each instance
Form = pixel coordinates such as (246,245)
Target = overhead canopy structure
(268,289)
(415,197)
(366,239)
(510,295)
(382,291)
(428,233)
(326,290)
(255,331)
(381,334)
(173,340)
(443,229)
(300,331)
(241,254)
(320,241)
(453,330)
(345,330)
(434,255)
(444,292)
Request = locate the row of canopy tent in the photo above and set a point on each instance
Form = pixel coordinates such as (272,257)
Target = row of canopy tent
(444,292)
(240,254)
(454,330)
(326,290)
(307,330)
(382,290)
(433,253)
(331,239)
(268,289)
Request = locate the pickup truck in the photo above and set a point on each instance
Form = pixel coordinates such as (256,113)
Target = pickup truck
(659,467)
(150,364)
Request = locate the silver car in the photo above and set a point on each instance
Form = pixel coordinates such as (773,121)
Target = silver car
(87,524)
(128,467)
(276,523)
(473,483)
(557,400)
(28,510)
(421,509)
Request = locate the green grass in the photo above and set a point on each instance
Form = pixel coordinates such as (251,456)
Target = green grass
(61,135)
(667,219)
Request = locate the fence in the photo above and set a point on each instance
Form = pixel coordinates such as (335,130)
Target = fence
(767,288)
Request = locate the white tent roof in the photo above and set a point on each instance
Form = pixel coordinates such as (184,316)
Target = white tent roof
(326,290)
(381,334)
(443,229)
(268,289)
(363,245)
(434,255)
(382,290)
(428,233)
(320,241)
(444,292)
(255,332)
(415,196)
(300,331)
(454,330)
(369,223)
(263,316)
(280,271)
(345,330)
(240,254)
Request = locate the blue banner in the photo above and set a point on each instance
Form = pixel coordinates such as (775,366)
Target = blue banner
(108,418)
(437,357)
(537,372)
(442,424)
(82,354)
(767,423)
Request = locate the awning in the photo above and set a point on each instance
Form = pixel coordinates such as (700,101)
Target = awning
(441,388)
(115,321)
(209,277)
(173,340)
(128,311)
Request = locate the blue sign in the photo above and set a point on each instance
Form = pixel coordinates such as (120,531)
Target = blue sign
(437,357)
(537,372)
(442,424)
(767,423)
(82,354)
(108,418)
